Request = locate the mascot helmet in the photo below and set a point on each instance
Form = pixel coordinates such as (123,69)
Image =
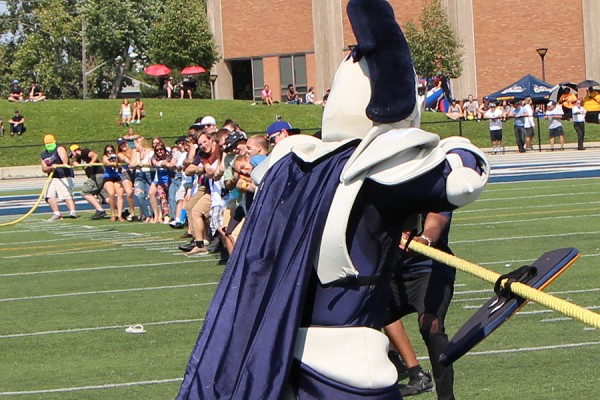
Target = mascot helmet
(376,83)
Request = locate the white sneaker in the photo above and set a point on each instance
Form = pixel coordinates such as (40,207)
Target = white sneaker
(166,220)
(54,218)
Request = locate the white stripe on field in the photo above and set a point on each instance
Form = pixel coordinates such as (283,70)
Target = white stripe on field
(60,271)
(523,349)
(97,328)
(514,221)
(50,296)
(160,381)
(80,388)
(521,208)
(527,197)
(561,234)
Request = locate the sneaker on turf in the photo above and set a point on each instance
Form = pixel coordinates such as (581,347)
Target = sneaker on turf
(73,215)
(188,246)
(54,218)
(99,214)
(401,368)
(419,383)
(197,251)
(176,224)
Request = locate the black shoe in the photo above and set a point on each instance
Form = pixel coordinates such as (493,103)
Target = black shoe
(395,358)
(99,214)
(176,225)
(188,246)
(125,214)
(223,260)
(420,383)
(215,246)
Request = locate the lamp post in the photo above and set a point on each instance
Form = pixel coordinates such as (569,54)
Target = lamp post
(212,78)
(542,53)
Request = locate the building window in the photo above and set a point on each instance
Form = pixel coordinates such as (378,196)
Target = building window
(258,78)
(292,69)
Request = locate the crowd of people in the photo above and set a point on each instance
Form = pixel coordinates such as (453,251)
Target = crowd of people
(201,181)
(293,97)
(524,113)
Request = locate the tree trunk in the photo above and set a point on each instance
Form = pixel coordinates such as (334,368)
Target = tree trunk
(116,88)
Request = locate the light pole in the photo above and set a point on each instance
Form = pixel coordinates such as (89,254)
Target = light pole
(542,53)
(212,78)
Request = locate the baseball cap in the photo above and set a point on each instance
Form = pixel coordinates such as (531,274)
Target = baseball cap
(208,120)
(120,141)
(49,139)
(233,138)
(74,147)
(16,82)
(180,139)
(277,126)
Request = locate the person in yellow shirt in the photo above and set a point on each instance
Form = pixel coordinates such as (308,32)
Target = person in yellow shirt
(567,101)
(591,103)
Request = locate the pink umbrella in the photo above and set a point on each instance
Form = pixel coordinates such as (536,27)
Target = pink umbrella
(192,70)
(157,70)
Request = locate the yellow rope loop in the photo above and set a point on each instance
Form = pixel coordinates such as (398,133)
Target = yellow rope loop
(527,292)
(35,206)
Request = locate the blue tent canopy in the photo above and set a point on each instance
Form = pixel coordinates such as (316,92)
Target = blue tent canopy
(527,86)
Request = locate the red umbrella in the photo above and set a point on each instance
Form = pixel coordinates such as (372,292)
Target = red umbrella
(192,70)
(157,70)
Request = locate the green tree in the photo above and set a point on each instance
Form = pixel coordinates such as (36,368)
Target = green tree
(181,37)
(114,29)
(44,45)
(435,46)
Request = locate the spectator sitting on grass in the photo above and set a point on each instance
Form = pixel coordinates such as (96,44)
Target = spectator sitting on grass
(17,124)
(267,95)
(15,92)
(36,94)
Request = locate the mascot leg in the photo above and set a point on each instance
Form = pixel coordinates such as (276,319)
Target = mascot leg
(343,363)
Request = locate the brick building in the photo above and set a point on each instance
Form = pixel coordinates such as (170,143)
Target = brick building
(303,41)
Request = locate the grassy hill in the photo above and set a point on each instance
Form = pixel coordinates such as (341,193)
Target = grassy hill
(93,123)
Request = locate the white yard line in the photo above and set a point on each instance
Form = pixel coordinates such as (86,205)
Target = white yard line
(515,221)
(81,388)
(63,271)
(73,294)
(179,379)
(97,328)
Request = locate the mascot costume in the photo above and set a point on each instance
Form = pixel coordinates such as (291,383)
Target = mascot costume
(299,310)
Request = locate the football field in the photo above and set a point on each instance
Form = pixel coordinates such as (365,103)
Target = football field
(69,290)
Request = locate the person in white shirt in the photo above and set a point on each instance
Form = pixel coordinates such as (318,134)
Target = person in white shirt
(494,115)
(554,116)
(579,123)
(529,122)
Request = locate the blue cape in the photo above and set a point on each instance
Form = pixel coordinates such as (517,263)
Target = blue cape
(245,347)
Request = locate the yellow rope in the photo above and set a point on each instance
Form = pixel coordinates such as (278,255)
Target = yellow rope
(35,206)
(527,292)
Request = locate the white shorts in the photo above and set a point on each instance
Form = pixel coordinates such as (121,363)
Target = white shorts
(180,193)
(60,188)
(216,218)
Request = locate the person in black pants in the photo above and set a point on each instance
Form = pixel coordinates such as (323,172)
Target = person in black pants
(17,124)
(423,286)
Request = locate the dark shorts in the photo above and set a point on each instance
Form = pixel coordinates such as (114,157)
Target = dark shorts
(556,132)
(237,217)
(93,185)
(496,135)
(420,293)
(529,132)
